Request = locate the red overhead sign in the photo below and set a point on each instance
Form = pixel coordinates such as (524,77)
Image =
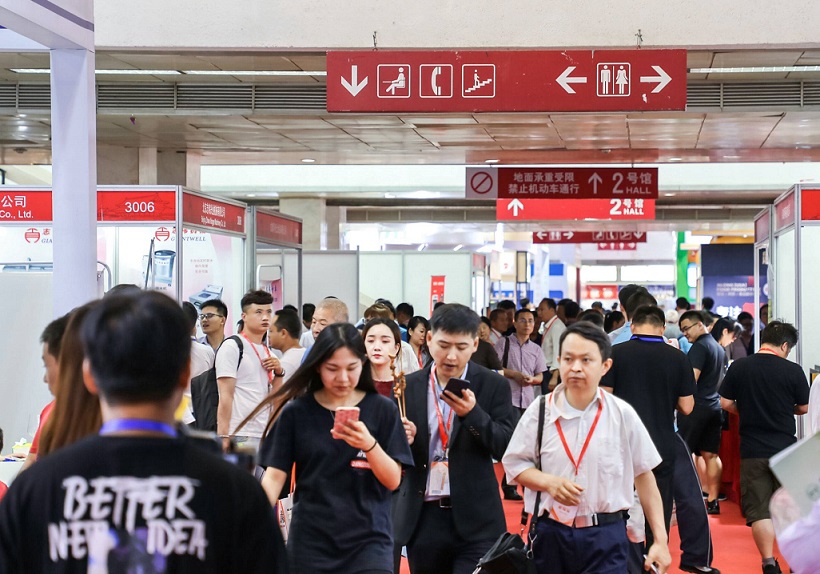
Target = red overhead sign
(810,204)
(118,205)
(588,236)
(763,226)
(213,214)
(785,212)
(561,182)
(278,229)
(506,81)
(573,209)
(25,205)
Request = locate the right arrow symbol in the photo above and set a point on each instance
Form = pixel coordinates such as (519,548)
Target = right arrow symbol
(564,80)
(354,86)
(662,79)
(516,206)
(595,179)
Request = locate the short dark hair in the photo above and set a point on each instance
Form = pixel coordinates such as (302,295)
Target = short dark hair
(122,289)
(52,335)
(290,308)
(626,292)
(524,301)
(388,304)
(721,324)
(592,316)
(612,318)
(406,308)
(549,301)
(505,305)
(437,305)
(485,320)
(190,313)
(597,305)
(137,346)
(524,310)
(682,303)
(589,332)
(216,304)
(307,311)
(777,332)
(707,303)
(691,315)
(289,321)
(649,315)
(638,299)
(708,318)
(455,319)
(745,316)
(495,314)
(571,308)
(256,297)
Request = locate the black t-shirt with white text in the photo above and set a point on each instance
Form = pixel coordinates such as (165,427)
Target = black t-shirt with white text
(651,376)
(137,504)
(766,388)
(341,519)
(707,356)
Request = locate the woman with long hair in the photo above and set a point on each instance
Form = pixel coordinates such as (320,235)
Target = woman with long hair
(345,474)
(76,413)
(417,329)
(382,341)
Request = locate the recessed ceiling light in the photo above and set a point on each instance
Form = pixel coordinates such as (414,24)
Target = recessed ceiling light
(491,161)
(675,159)
(457,247)
(669,194)
(254,73)
(22,128)
(251,195)
(731,157)
(308,160)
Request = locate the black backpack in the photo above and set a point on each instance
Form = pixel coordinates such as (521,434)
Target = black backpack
(205,392)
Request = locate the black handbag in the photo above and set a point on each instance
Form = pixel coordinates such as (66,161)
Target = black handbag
(510,554)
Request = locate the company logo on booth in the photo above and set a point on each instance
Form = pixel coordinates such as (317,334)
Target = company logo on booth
(162,234)
(32,235)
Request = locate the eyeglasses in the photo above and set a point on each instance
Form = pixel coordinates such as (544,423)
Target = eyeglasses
(209,316)
(685,329)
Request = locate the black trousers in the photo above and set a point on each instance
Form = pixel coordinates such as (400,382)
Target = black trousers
(436,548)
(693,522)
(665,477)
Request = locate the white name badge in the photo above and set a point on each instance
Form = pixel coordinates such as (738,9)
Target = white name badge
(564,514)
(439,479)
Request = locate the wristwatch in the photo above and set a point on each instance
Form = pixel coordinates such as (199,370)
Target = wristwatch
(279,375)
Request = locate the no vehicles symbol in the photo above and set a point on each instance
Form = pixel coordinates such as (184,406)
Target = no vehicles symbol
(481,183)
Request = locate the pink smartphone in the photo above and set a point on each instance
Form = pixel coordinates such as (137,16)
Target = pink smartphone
(345,414)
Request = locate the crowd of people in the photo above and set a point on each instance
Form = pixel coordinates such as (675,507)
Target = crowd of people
(359,443)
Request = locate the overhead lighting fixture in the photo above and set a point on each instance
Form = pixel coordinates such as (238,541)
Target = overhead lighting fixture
(308,160)
(755,70)
(491,161)
(137,72)
(669,194)
(457,247)
(22,128)
(675,159)
(422,247)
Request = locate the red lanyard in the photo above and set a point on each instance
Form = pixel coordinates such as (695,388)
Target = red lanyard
(547,330)
(577,465)
(769,352)
(443,431)
(258,356)
(421,364)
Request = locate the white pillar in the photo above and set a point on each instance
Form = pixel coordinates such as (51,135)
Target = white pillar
(148,166)
(73,147)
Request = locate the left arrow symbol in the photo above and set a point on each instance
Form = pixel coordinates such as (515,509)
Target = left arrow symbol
(565,80)
(354,86)
(540,235)
(516,206)
(662,79)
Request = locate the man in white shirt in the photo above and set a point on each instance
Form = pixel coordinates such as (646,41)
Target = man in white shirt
(283,336)
(594,449)
(243,384)
(553,329)
(202,359)
(498,325)
(330,310)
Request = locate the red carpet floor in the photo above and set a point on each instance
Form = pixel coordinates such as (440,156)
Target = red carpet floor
(735,550)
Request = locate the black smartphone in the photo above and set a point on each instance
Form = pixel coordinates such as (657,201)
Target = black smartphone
(457,386)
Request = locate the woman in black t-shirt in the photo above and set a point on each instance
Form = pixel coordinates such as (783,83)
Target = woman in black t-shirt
(345,477)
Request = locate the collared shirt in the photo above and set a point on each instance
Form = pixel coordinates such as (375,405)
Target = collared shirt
(550,341)
(436,449)
(624,334)
(619,450)
(526,358)
(495,336)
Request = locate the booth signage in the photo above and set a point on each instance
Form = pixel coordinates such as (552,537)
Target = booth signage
(277,229)
(606,292)
(574,209)
(588,236)
(562,182)
(763,226)
(810,204)
(506,81)
(123,206)
(784,212)
(213,214)
(25,205)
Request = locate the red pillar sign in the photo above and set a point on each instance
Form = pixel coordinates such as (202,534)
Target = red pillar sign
(506,81)
(436,290)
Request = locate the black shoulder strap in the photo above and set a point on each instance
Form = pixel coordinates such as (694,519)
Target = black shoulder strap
(542,411)
(506,352)
(239,344)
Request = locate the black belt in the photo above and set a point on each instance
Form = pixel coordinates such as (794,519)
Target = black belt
(441,502)
(599,519)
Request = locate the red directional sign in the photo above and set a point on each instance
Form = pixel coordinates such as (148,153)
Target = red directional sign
(588,236)
(561,182)
(574,209)
(617,246)
(506,81)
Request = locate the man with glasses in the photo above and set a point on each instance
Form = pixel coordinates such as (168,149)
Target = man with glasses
(701,429)
(243,384)
(214,315)
(524,365)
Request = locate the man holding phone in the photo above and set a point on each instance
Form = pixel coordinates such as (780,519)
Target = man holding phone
(448,510)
